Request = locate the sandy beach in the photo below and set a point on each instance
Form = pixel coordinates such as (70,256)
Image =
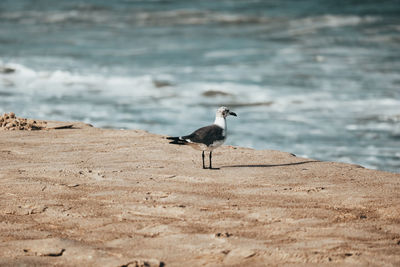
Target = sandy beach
(84,196)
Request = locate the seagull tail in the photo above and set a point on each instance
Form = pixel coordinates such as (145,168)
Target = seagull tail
(176,140)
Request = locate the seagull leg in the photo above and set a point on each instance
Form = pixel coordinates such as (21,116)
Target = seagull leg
(211,168)
(202,156)
(210,159)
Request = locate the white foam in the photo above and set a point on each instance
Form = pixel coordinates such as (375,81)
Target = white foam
(34,16)
(194,17)
(310,24)
(231,53)
(58,82)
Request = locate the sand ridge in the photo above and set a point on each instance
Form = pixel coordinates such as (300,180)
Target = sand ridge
(89,196)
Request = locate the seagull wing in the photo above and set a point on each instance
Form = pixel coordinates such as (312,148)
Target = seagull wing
(205,135)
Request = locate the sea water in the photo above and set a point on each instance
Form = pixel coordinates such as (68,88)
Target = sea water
(319,79)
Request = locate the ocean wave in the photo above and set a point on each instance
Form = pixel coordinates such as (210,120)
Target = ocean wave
(313,23)
(134,17)
(59,82)
(231,53)
(137,17)
(57,17)
(195,17)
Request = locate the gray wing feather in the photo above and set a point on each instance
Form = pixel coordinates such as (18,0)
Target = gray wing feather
(206,135)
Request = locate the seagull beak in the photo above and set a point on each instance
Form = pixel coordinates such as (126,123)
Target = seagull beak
(232,113)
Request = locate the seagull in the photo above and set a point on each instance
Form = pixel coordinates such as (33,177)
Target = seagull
(209,137)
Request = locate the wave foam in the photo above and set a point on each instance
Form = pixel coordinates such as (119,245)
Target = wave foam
(310,24)
(25,79)
(171,17)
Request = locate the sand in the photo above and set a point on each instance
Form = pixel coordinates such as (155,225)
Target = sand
(83,196)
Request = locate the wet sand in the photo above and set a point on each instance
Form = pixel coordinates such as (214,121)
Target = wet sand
(84,196)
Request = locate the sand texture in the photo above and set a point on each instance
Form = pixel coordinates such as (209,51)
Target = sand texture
(83,196)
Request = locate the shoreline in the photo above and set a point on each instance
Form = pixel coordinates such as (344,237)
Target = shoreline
(81,195)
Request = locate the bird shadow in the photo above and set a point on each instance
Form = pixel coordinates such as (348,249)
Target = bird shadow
(269,165)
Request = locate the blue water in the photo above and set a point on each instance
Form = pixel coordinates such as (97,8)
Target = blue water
(320,79)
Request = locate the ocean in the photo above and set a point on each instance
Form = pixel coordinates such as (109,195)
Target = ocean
(320,79)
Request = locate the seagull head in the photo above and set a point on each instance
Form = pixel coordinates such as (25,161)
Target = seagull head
(224,112)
